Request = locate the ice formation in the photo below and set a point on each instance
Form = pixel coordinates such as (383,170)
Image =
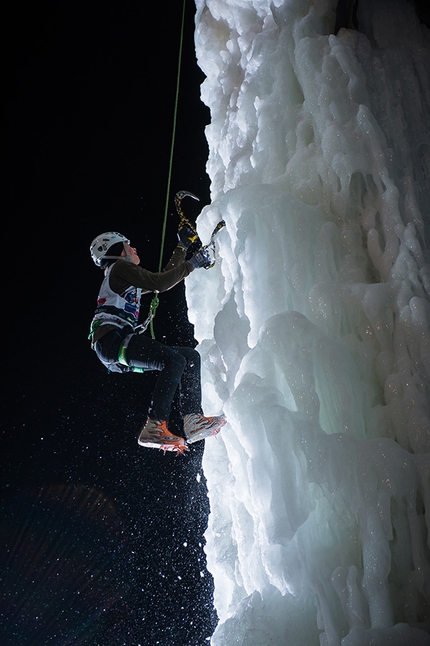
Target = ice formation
(314,324)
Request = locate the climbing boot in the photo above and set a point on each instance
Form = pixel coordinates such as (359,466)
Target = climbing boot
(197,427)
(156,435)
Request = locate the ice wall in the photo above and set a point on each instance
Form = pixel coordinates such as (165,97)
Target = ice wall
(314,324)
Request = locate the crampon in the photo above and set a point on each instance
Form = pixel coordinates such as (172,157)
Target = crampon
(156,435)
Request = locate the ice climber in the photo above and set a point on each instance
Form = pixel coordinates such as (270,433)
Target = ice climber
(120,347)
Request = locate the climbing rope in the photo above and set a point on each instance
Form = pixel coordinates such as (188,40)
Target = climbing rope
(172,145)
(178,197)
(156,300)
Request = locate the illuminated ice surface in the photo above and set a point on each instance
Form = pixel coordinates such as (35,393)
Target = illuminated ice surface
(314,324)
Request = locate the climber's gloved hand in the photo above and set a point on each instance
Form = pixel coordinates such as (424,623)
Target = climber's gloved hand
(201,258)
(186,236)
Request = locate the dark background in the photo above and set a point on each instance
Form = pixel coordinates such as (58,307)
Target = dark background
(102,540)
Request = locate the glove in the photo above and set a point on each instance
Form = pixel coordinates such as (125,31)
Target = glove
(186,236)
(201,258)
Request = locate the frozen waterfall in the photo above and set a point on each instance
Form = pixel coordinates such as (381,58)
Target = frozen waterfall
(313,325)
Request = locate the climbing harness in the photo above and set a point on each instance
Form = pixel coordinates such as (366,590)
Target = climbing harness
(139,329)
(122,350)
(122,357)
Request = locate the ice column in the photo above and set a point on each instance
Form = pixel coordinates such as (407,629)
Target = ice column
(313,325)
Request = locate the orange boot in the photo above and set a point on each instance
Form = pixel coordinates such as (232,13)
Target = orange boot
(156,435)
(198,427)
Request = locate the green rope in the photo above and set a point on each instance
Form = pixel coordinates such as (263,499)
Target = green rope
(155,300)
(175,113)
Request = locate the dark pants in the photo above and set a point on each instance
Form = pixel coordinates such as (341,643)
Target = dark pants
(179,368)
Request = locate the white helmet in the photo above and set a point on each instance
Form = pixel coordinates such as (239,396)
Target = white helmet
(100,246)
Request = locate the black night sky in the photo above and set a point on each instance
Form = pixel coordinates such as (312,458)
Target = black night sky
(102,541)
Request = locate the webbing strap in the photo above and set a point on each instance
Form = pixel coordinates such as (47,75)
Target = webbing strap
(122,350)
(122,353)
